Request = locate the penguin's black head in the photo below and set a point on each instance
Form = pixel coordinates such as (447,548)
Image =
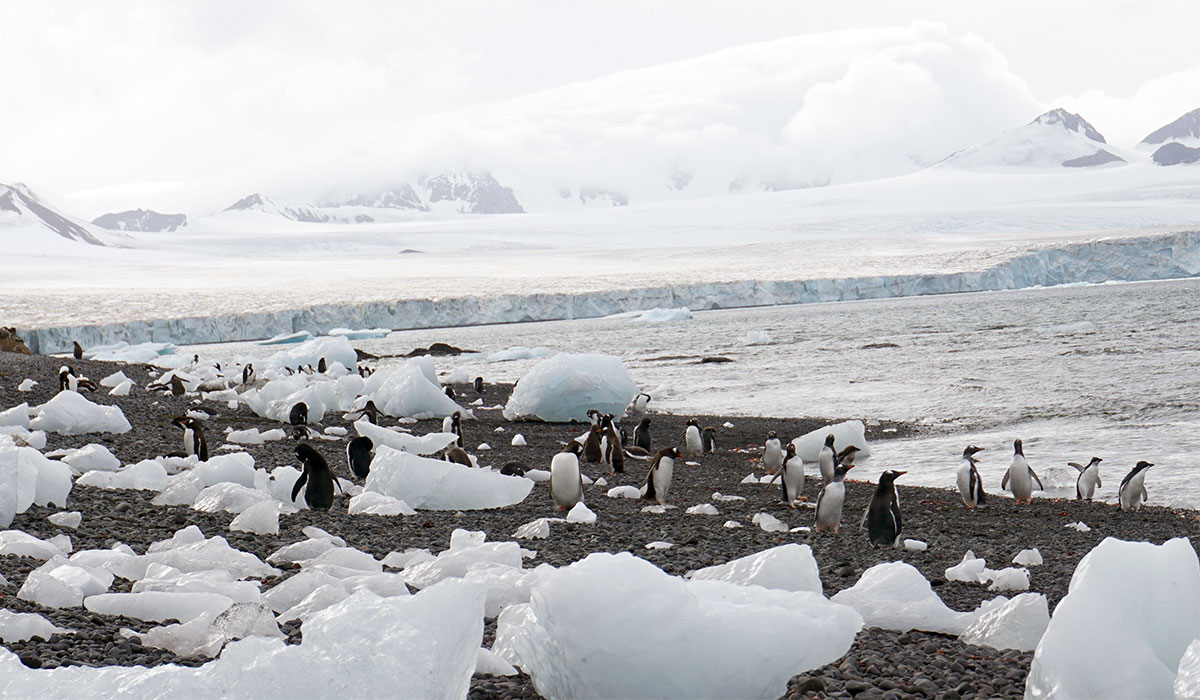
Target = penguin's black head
(671,452)
(890,475)
(309,456)
(573,447)
(970,451)
(1096,460)
(181,422)
(710,430)
(829,440)
(771,435)
(693,421)
(1017,447)
(644,423)
(790,451)
(606,422)
(1143,465)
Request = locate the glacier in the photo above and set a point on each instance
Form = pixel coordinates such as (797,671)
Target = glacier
(1131,258)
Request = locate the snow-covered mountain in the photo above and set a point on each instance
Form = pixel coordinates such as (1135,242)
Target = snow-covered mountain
(20,208)
(143,220)
(288,210)
(1184,130)
(1175,153)
(452,192)
(1055,139)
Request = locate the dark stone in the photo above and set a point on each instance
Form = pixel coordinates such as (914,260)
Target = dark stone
(808,684)
(714,359)
(31,660)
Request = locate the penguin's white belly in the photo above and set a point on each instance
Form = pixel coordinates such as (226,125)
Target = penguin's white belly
(793,479)
(825,462)
(189,441)
(964,482)
(829,509)
(1087,482)
(772,457)
(692,436)
(447,425)
(662,478)
(1131,495)
(565,484)
(1019,479)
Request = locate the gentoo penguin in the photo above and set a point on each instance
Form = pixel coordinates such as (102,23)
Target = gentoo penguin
(641,402)
(515,468)
(299,414)
(456,428)
(772,458)
(193,437)
(829,503)
(318,494)
(566,481)
(478,385)
(827,459)
(322,366)
(708,439)
(1021,475)
(457,455)
(177,386)
(970,486)
(691,438)
(658,480)
(248,373)
(67,381)
(883,514)
(358,456)
(593,450)
(450,392)
(641,434)
(78,351)
(611,445)
(793,476)
(1088,480)
(1133,487)
(847,455)
(370,412)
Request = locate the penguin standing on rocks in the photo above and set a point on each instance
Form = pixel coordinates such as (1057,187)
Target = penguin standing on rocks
(456,428)
(193,437)
(658,480)
(641,402)
(614,453)
(593,449)
(829,503)
(1088,479)
(827,459)
(566,481)
(478,385)
(1133,487)
(691,438)
(846,456)
(318,493)
(883,514)
(641,434)
(248,373)
(708,439)
(449,391)
(370,412)
(1021,475)
(358,456)
(793,476)
(299,414)
(67,381)
(772,458)
(78,350)
(970,486)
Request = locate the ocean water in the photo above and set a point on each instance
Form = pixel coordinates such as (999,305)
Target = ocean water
(1107,370)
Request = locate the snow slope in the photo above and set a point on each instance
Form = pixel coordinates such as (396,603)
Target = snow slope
(1055,139)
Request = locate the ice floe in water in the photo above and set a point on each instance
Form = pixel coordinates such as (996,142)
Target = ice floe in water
(564,387)
(851,432)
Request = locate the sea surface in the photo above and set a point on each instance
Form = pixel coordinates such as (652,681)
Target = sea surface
(1110,370)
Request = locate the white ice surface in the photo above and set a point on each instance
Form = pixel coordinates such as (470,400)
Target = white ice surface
(18,627)
(1001,623)
(895,596)
(564,387)
(69,413)
(851,432)
(789,567)
(433,484)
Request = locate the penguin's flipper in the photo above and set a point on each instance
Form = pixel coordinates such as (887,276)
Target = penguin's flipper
(862,524)
(1004,483)
(783,485)
(1035,478)
(1078,467)
(1145,494)
(299,484)
(338,483)
(1078,492)
(1098,484)
(648,491)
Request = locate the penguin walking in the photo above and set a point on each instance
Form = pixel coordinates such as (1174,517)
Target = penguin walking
(883,514)
(449,391)
(708,439)
(614,453)
(299,414)
(566,480)
(829,503)
(1088,479)
(358,456)
(792,471)
(641,434)
(827,459)
(478,385)
(772,458)
(1021,475)
(193,437)
(67,381)
(658,480)
(318,493)
(691,438)
(1133,487)
(970,486)
(248,373)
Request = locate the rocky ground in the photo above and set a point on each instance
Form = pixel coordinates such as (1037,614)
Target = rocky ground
(880,664)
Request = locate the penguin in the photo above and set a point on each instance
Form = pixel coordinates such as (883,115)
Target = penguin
(827,459)
(635,452)
(970,486)
(319,491)
(458,455)
(829,503)
(772,458)
(515,468)
(248,373)
(450,392)
(177,386)
(1133,487)
(193,437)
(358,456)
(78,351)
(1088,479)
(641,402)
(322,366)
(299,414)
(792,470)
(67,380)
(658,480)
(1021,475)
(593,452)
(708,439)
(847,455)
(614,454)
(691,438)
(641,434)
(566,481)
(456,428)
(883,514)
(478,385)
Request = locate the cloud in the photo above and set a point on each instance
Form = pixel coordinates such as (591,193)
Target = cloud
(1125,120)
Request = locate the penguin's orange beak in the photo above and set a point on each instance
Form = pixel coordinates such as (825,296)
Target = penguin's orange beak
(901,473)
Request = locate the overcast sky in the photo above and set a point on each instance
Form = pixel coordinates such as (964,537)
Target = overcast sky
(188,105)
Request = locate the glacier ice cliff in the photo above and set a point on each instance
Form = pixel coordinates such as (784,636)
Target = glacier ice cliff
(1135,258)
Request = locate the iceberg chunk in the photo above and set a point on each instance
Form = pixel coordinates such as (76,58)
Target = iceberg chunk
(433,484)
(69,413)
(564,387)
(895,596)
(845,434)
(789,567)
(1009,624)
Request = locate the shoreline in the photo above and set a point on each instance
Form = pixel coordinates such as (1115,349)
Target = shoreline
(934,515)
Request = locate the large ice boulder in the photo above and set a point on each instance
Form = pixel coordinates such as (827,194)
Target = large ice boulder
(464,552)
(20,474)
(62,584)
(16,416)
(69,413)
(895,596)
(410,390)
(146,475)
(845,434)
(564,387)
(615,626)
(421,646)
(1009,624)
(1130,613)
(17,627)
(433,484)
(93,457)
(235,468)
(424,445)
(789,567)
